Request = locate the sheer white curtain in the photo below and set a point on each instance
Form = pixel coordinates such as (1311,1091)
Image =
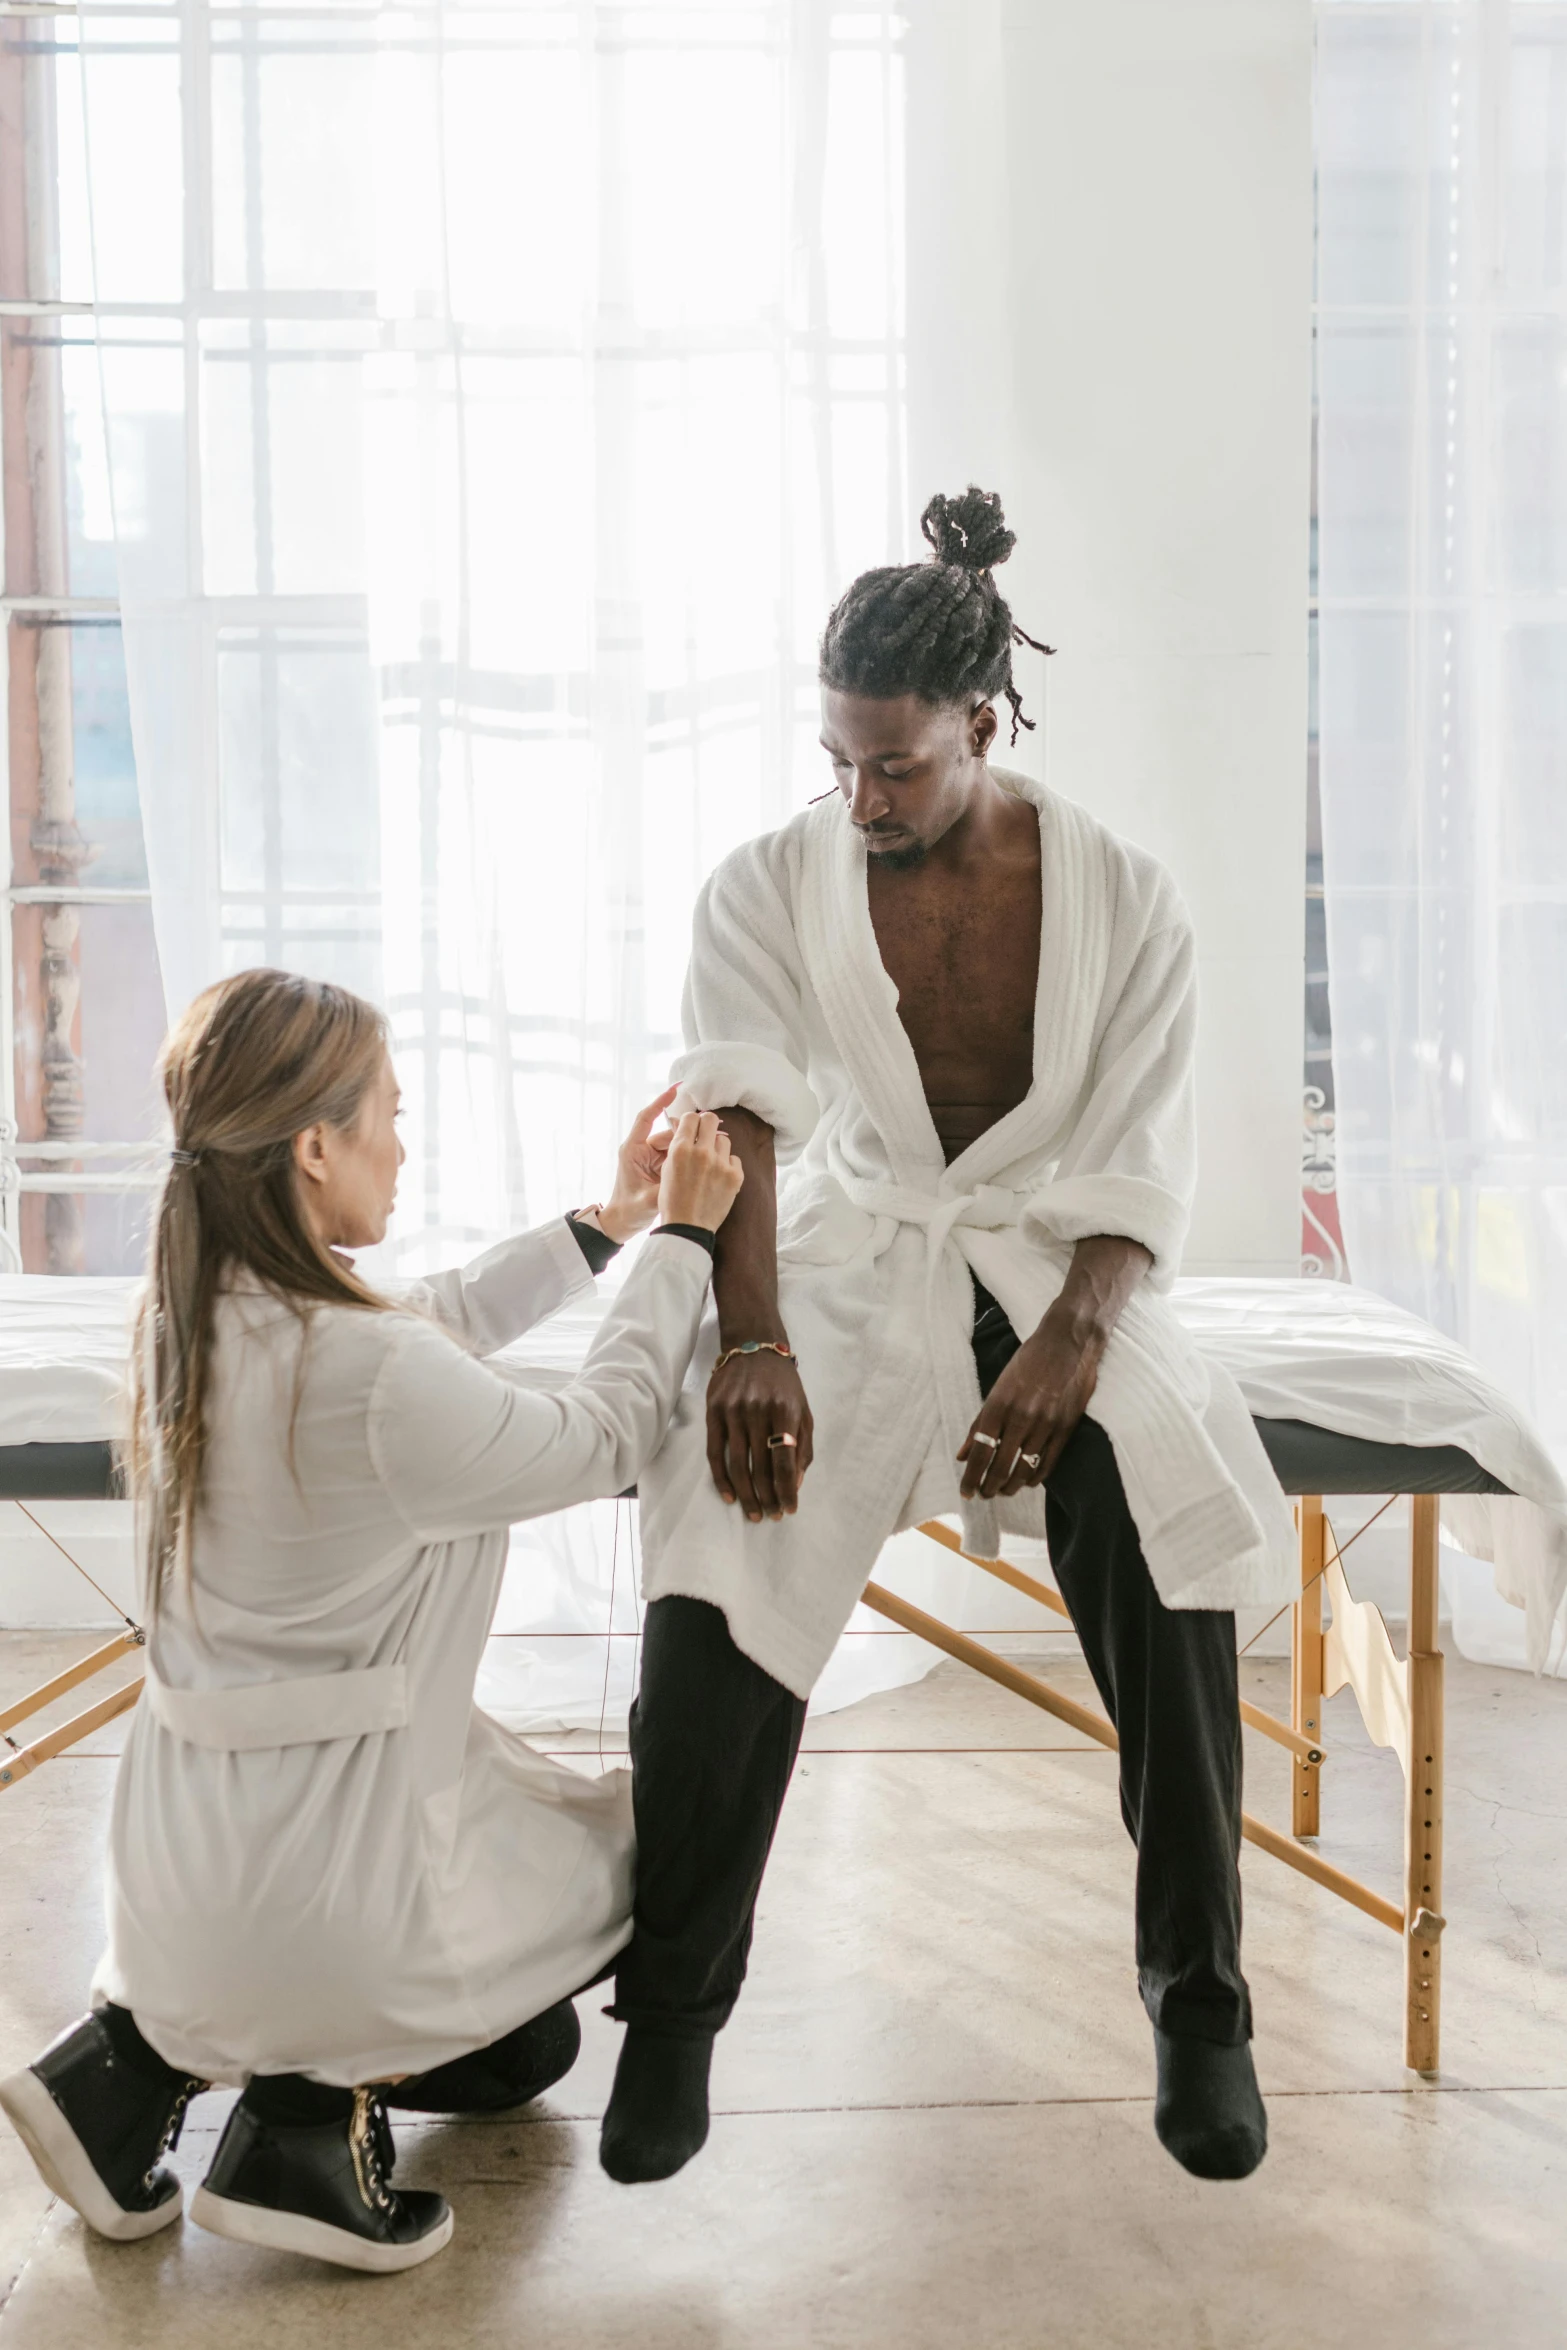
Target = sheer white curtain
(1442,375)
(513,387)
(496,398)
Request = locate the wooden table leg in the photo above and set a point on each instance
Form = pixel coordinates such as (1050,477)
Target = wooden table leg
(1423,1919)
(1306,1677)
(15,1767)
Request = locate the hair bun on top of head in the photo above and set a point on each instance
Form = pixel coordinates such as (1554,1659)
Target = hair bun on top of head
(942,630)
(969,532)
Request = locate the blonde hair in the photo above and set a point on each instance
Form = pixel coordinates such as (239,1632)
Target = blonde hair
(252,1063)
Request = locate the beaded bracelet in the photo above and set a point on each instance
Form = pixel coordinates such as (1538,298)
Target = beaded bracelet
(755,1346)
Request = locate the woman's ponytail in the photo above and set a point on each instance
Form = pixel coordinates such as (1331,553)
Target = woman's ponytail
(253,1062)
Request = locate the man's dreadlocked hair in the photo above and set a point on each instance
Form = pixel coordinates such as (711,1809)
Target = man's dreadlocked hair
(940,629)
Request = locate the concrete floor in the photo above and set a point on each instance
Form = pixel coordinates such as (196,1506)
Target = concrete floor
(933,2110)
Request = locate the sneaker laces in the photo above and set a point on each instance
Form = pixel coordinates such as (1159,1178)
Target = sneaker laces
(174,2122)
(373,2148)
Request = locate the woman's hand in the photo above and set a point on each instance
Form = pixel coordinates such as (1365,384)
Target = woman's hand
(702,1177)
(754,1402)
(633,1204)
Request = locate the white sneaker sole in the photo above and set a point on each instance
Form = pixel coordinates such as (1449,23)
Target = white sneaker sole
(288,2231)
(63,2164)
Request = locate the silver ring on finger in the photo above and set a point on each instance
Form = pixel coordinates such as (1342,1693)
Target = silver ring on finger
(979,1437)
(1030,1460)
(781,1443)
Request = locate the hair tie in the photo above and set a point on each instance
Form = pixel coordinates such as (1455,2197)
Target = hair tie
(185,1158)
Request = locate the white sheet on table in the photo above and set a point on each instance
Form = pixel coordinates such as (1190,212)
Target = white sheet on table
(64,1341)
(63,1344)
(1343,1358)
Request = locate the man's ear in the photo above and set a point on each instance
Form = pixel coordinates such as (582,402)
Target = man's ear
(982,728)
(310,1154)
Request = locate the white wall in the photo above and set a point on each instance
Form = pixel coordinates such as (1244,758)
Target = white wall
(1114,331)
(36,1584)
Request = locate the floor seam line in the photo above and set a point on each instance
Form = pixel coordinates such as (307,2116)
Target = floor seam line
(1014,2104)
(27,2257)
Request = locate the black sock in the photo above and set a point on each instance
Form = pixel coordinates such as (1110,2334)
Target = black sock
(288,2101)
(135,2053)
(657,2114)
(1209,2112)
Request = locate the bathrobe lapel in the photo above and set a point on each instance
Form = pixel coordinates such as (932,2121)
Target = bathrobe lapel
(859,1001)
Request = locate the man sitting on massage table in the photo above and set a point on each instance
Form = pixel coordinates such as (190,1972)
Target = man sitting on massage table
(961,1014)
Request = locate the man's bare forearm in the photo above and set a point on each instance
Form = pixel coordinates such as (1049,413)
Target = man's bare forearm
(1101,1278)
(745,1269)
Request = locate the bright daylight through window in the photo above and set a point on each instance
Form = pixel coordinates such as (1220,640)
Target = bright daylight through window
(478,570)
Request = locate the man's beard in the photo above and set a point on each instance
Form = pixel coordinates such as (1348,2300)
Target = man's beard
(906,860)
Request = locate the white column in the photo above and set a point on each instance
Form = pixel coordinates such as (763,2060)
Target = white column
(1115,333)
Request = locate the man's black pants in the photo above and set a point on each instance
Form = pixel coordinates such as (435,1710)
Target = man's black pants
(714,1738)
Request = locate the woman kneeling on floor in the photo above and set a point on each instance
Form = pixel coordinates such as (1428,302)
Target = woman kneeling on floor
(332,1880)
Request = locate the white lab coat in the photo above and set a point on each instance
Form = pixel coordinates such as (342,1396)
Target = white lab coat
(790,1013)
(323,1857)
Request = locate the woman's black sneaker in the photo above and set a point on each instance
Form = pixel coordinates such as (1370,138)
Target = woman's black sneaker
(508,2072)
(321,2187)
(98,2127)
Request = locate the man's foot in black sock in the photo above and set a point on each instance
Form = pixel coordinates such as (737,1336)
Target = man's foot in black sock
(1209,2111)
(657,2114)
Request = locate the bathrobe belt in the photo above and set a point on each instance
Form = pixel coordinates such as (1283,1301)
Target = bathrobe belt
(989,1207)
(283,1713)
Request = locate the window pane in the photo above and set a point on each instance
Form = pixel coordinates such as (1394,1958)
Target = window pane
(1530,407)
(300,808)
(91,563)
(1367,395)
(292,194)
(136,145)
(107,808)
(115,1035)
(281,432)
(1533,836)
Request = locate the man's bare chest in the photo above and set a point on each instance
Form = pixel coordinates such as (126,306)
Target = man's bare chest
(965,964)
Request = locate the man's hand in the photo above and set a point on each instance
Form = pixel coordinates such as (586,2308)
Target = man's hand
(750,1399)
(1033,1408)
(1035,1405)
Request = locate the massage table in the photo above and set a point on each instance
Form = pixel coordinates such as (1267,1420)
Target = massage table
(62,1362)
(1349,1395)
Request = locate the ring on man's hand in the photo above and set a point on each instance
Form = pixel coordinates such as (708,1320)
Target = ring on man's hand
(781,1443)
(1030,1460)
(979,1437)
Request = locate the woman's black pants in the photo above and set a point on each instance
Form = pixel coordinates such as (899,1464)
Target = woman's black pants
(714,1738)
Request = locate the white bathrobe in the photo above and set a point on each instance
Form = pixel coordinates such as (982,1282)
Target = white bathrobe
(323,1857)
(789,1013)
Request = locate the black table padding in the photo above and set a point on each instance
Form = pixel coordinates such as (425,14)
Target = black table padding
(58,1472)
(1316,1460)
(1305,1460)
